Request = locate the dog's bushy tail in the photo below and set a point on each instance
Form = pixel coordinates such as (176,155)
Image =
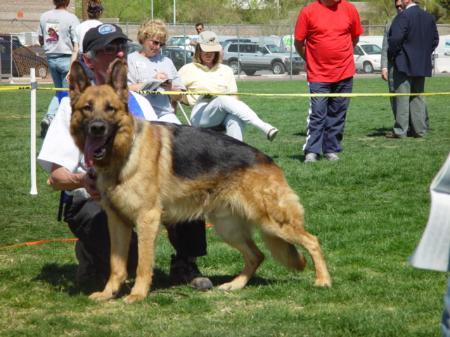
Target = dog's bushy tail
(284,252)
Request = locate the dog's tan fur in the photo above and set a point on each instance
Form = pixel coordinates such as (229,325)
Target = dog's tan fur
(138,187)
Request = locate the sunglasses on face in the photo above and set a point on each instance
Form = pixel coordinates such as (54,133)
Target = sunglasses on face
(112,49)
(158,43)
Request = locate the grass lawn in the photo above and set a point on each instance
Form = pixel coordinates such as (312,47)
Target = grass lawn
(369,211)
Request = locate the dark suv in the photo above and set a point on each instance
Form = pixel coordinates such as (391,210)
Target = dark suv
(250,57)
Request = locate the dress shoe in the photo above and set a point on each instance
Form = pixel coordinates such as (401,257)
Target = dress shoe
(393,135)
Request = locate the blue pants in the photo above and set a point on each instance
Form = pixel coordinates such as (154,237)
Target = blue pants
(326,117)
(59,67)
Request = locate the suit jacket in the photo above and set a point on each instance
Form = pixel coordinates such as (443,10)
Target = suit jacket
(412,39)
(384,48)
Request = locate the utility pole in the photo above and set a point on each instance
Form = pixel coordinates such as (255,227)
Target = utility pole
(151,8)
(84,7)
(174,12)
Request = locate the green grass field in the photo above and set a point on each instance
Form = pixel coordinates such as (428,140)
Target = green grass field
(369,211)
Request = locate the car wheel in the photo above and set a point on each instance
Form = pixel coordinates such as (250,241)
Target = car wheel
(42,71)
(278,68)
(368,67)
(235,66)
(250,72)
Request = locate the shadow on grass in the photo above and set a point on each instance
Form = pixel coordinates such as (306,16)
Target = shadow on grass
(62,277)
(301,133)
(254,281)
(299,157)
(380,132)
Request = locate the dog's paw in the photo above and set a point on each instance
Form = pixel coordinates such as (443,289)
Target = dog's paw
(101,296)
(133,298)
(323,283)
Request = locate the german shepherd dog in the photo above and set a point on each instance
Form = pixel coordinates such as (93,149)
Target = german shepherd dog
(152,173)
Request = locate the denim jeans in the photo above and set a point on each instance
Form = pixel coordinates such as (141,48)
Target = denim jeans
(59,67)
(326,117)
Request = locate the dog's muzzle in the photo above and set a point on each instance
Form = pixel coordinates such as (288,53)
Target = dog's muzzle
(97,128)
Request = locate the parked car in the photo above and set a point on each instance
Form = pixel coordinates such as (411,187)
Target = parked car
(179,56)
(251,57)
(23,58)
(367,57)
(234,40)
(133,46)
(181,41)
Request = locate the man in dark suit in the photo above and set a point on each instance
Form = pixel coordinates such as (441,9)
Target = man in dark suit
(412,39)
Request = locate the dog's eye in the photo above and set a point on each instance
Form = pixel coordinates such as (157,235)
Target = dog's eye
(87,108)
(110,108)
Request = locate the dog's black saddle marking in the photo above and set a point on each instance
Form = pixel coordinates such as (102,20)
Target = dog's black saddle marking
(198,152)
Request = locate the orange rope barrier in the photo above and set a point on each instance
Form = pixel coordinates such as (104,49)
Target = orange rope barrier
(39,242)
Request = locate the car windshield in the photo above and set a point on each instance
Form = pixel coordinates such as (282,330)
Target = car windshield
(177,41)
(371,49)
(273,48)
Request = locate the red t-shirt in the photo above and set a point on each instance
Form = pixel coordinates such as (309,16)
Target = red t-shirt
(328,34)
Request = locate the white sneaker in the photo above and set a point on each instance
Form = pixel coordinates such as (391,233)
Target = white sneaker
(331,156)
(272,134)
(311,157)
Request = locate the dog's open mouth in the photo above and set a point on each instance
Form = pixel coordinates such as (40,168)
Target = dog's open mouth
(95,149)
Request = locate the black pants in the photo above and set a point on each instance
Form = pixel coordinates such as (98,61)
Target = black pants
(89,223)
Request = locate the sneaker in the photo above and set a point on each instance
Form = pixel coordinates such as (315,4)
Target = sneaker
(185,271)
(331,156)
(272,134)
(311,157)
(45,124)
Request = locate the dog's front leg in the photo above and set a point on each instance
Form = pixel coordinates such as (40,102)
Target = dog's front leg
(120,236)
(147,226)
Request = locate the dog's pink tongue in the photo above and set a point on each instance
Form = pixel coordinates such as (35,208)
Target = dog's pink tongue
(91,145)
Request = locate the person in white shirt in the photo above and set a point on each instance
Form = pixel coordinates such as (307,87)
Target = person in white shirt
(57,35)
(207,74)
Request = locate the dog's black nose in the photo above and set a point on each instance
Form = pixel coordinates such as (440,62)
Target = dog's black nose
(97,128)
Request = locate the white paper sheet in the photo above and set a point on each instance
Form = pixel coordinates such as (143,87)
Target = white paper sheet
(434,247)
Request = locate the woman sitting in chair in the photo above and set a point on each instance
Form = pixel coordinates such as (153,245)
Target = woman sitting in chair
(149,70)
(208,75)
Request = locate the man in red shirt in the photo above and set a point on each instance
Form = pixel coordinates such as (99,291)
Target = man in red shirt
(325,34)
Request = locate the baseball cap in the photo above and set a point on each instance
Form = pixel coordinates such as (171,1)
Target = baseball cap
(209,42)
(100,36)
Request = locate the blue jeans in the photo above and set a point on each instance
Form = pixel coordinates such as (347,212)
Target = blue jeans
(59,67)
(326,117)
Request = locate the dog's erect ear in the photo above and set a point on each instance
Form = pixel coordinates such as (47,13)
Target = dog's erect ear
(117,78)
(78,81)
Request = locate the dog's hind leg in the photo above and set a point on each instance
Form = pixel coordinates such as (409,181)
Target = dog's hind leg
(294,235)
(284,221)
(237,233)
(147,227)
(120,236)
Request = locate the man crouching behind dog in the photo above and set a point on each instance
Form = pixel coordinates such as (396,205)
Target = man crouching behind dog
(153,173)
(88,222)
